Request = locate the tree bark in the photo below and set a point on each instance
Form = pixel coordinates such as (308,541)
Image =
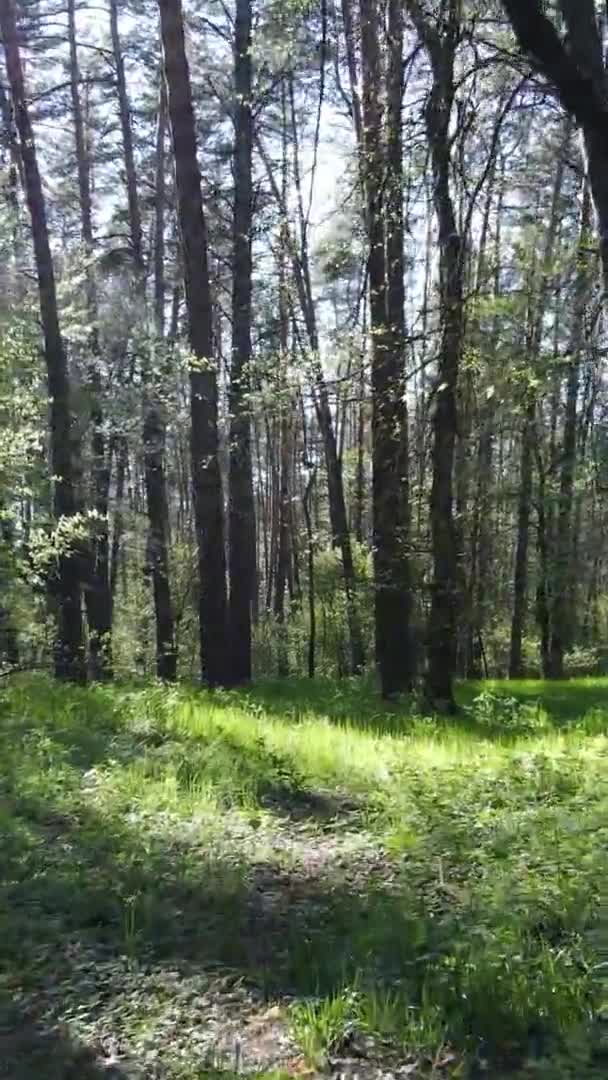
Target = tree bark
(441,48)
(384,218)
(206,477)
(69,645)
(242,530)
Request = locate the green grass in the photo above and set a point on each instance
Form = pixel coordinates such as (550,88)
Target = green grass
(176,868)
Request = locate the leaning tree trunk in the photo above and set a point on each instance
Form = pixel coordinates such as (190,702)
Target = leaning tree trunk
(242,530)
(69,646)
(206,476)
(574,63)
(98,596)
(384,216)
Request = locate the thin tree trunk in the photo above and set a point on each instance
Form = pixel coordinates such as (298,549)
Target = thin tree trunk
(242,530)
(312,617)
(533,343)
(121,453)
(482,530)
(520,578)
(124,109)
(561,619)
(154,435)
(69,645)
(98,596)
(335,481)
(206,476)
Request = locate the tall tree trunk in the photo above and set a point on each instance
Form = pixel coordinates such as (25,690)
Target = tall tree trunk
(154,427)
(98,597)
(69,645)
(154,433)
(441,48)
(242,530)
(206,477)
(561,621)
(386,282)
(283,552)
(284,466)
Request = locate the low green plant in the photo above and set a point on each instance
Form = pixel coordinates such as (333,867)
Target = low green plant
(323,1025)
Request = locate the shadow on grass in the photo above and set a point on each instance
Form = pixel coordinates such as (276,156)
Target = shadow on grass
(98,888)
(108,889)
(29,1050)
(73,879)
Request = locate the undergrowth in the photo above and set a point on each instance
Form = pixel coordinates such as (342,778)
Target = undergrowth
(458,921)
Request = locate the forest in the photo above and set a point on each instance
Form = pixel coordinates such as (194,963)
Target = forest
(303,494)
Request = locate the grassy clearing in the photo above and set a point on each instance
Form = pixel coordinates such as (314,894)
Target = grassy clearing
(295,879)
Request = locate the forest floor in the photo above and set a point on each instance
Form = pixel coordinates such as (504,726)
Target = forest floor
(294,881)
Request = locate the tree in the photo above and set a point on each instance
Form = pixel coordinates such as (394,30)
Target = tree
(576,69)
(98,596)
(242,552)
(65,583)
(384,217)
(154,433)
(441,45)
(206,477)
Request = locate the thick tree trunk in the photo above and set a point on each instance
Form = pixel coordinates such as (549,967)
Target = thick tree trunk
(242,530)
(98,596)
(386,282)
(69,647)
(206,477)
